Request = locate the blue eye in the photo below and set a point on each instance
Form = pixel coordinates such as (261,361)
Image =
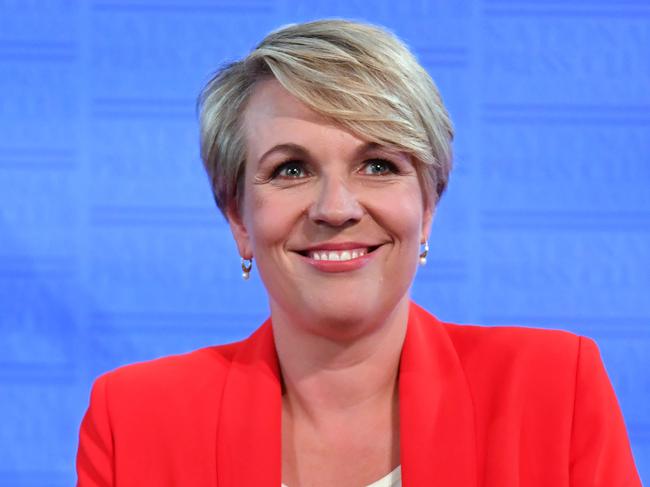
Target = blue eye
(290,170)
(378,167)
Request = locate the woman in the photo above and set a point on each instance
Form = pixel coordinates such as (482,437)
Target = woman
(328,148)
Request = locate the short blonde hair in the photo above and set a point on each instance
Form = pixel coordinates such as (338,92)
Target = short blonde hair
(358,75)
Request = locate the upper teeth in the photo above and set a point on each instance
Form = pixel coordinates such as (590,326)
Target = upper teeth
(337,254)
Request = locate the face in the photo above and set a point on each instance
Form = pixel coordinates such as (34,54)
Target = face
(333,222)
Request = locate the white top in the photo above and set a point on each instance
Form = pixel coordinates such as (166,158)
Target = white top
(393,479)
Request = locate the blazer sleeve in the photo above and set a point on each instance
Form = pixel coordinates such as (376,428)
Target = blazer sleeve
(600,450)
(95,452)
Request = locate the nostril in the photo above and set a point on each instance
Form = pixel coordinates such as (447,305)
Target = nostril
(335,205)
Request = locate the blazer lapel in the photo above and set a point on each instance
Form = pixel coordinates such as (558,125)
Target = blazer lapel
(249,434)
(437,436)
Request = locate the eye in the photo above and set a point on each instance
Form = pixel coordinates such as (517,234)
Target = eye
(290,170)
(379,167)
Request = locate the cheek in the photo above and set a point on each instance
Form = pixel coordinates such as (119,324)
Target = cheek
(256,216)
(402,212)
(271,217)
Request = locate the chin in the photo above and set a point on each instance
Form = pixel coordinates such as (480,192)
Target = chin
(346,317)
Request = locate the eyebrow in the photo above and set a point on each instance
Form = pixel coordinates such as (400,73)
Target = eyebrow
(297,149)
(302,152)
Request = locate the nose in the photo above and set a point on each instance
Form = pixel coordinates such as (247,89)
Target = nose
(335,204)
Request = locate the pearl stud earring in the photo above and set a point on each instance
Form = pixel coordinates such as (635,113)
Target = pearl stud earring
(246,266)
(423,254)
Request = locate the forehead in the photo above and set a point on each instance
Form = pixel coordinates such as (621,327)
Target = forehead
(270,100)
(273,116)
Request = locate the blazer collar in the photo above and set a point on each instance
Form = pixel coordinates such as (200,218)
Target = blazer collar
(437,437)
(249,430)
(437,431)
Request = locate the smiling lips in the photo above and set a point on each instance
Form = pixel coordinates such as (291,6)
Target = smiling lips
(338,257)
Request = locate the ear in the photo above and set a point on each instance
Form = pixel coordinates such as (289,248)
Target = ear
(239,232)
(427,220)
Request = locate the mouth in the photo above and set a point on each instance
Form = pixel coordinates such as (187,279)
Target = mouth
(337,255)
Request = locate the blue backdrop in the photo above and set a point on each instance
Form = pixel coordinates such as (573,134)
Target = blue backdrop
(112,251)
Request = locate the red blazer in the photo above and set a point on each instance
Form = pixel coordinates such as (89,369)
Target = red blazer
(479,406)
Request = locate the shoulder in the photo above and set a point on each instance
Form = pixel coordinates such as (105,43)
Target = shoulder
(203,364)
(173,383)
(517,361)
(534,388)
(510,354)
(509,366)
(214,358)
(163,408)
(519,344)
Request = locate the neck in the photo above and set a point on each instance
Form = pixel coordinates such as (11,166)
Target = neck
(324,376)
